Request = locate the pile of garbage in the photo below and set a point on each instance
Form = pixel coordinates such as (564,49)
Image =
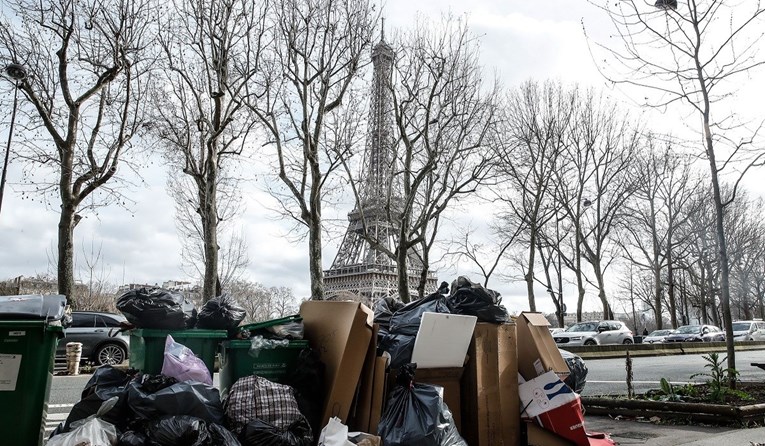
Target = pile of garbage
(450,369)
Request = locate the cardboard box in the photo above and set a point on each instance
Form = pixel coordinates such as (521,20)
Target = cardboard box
(537,351)
(543,393)
(341,333)
(537,436)
(490,404)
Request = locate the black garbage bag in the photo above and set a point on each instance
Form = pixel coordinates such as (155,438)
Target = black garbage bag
(155,383)
(221,313)
(260,433)
(307,378)
(399,346)
(132,438)
(384,310)
(473,299)
(106,383)
(178,430)
(220,436)
(416,415)
(106,377)
(577,379)
(181,398)
(157,308)
(407,319)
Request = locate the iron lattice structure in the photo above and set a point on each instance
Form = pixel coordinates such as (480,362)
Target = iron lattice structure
(359,269)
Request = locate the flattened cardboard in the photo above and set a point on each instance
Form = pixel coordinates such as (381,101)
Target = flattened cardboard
(537,352)
(358,420)
(379,392)
(508,383)
(490,405)
(442,340)
(341,333)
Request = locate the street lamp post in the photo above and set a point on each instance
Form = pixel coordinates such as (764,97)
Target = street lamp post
(17,73)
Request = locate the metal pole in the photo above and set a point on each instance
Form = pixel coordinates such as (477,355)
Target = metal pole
(8,146)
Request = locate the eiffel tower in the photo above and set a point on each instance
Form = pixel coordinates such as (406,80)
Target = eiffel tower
(359,269)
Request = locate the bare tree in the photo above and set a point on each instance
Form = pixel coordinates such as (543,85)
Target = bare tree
(263,303)
(87,66)
(211,51)
(444,115)
(538,117)
(692,52)
(486,255)
(594,182)
(658,209)
(308,75)
(98,294)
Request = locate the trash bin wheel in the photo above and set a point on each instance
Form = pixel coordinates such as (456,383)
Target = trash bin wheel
(110,354)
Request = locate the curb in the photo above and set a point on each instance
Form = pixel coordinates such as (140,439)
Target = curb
(679,348)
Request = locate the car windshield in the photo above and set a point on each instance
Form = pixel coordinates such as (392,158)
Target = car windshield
(586,326)
(660,332)
(741,326)
(688,329)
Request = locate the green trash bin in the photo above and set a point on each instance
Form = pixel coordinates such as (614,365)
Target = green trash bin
(27,347)
(147,346)
(271,363)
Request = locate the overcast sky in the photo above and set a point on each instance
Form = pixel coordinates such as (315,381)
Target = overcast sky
(520,40)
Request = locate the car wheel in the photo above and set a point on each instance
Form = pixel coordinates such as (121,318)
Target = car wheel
(627,341)
(110,354)
(590,342)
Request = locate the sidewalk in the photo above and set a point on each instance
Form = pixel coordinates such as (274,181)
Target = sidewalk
(630,432)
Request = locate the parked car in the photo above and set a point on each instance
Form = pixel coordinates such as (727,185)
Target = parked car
(595,333)
(554,331)
(657,336)
(101,343)
(696,333)
(749,331)
(577,377)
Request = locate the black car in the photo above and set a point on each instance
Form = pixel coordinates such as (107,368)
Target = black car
(102,344)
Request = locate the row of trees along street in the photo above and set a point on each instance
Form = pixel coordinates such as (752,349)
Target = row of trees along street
(583,190)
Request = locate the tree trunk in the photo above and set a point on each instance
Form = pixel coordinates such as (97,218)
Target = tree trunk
(66,224)
(210,281)
(403,279)
(314,248)
(607,313)
(671,290)
(530,271)
(723,256)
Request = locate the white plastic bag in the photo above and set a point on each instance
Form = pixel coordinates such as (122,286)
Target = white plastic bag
(335,433)
(94,432)
(182,364)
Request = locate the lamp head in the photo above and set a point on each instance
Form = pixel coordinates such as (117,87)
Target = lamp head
(16,71)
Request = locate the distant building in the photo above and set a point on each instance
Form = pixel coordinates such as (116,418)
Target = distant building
(178,285)
(134,286)
(35,285)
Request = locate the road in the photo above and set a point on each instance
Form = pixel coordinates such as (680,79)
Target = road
(605,376)
(608,376)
